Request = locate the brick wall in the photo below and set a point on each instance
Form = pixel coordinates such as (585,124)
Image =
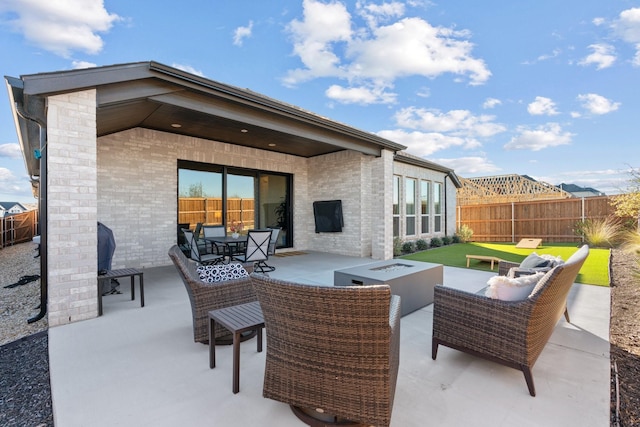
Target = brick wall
(72,207)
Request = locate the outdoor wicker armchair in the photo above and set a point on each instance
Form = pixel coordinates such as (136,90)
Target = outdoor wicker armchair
(512,333)
(205,297)
(331,348)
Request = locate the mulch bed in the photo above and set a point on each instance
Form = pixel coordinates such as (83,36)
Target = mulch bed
(25,390)
(624,336)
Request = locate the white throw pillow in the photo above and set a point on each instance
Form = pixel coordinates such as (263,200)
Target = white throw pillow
(219,273)
(512,289)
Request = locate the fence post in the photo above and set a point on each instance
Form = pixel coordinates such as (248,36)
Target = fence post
(513,223)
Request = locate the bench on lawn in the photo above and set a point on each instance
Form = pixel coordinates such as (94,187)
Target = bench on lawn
(485,258)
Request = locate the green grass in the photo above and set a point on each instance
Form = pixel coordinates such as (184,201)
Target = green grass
(595,270)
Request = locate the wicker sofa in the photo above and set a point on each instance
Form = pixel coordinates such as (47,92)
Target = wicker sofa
(512,333)
(205,297)
(331,348)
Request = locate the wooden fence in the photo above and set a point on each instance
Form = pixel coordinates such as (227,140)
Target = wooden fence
(549,220)
(192,210)
(18,228)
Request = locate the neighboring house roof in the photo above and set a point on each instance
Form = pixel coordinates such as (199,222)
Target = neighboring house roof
(9,205)
(155,96)
(405,157)
(579,191)
(6,207)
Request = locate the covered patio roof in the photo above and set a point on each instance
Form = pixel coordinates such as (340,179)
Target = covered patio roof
(155,96)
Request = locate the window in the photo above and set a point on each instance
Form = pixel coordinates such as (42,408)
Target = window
(437,207)
(218,195)
(410,206)
(425,206)
(396,206)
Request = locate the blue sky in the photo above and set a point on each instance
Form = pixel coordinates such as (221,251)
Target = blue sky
(544,88)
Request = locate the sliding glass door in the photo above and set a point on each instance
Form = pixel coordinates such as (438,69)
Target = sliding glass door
(217,195)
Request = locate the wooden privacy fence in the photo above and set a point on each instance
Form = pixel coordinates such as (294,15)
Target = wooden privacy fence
(192,210)
(549,220)
(18,228)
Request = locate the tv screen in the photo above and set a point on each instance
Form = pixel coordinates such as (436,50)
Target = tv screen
(328,216)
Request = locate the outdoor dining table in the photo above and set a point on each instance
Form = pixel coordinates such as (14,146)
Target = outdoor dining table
(233,244)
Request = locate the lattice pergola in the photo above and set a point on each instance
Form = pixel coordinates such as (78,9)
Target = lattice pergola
(504,189)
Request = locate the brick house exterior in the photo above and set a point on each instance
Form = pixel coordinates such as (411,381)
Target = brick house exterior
(97,163)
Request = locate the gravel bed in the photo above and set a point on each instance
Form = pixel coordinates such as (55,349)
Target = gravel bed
(25,388)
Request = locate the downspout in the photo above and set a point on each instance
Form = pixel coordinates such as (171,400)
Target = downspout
(42,212)
(446,208)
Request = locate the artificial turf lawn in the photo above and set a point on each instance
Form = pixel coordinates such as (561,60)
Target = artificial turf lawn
(595,270)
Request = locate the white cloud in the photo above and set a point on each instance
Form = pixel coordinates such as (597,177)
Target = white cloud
(10,150)
(542,106)
(457,122)
(490,103)
(360,95)
(376,13)
(188,69)
(597,104)
(603,56)
(322,26)
(62,26)
(424,144)
(6,175)
(329,44)
(82,64)
(469,165)
(545,136)
(627,27)
(242,33)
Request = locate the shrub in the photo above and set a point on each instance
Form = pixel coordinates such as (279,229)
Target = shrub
(408,247)
(436,242)
(600,233)
(397,246)
(465,233)
(446,240)
(455,239)
(422,245)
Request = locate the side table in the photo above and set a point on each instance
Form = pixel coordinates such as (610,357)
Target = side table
(237,319)
(116,274)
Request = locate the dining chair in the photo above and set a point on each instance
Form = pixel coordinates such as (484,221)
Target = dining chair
(273,241)
(256,249)
(215,231)
(204,259)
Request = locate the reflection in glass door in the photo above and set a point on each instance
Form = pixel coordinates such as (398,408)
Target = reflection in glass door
(240,202)
(274,206)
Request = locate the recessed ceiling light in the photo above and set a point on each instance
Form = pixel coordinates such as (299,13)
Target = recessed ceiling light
(272,145)
(176,125)
(244,130)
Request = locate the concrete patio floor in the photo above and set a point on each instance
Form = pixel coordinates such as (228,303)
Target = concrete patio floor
(140,367)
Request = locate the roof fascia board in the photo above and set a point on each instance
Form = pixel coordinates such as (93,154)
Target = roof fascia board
(410,160)
(261,101)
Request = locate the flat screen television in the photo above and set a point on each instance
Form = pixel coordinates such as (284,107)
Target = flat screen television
(328,216)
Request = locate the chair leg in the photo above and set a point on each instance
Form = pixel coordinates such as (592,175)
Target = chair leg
(434,348)
(528,377)
(566,314)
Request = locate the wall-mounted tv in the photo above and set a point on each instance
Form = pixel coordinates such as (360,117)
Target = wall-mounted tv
(328,216)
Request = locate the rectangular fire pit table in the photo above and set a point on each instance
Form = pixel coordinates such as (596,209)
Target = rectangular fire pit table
(412,280)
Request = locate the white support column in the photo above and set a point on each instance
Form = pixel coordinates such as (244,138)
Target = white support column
(72,207)
(382,206)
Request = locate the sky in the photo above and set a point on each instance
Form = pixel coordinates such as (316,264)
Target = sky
(544,88)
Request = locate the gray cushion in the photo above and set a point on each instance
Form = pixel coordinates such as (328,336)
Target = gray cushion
(534,261)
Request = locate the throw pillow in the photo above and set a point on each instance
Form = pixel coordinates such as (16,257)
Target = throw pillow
(512,289)
(534,261)
(219,273)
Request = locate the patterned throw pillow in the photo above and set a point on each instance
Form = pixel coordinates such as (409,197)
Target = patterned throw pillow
(219,273)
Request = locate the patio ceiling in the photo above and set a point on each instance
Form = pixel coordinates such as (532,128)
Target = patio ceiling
(154,96)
